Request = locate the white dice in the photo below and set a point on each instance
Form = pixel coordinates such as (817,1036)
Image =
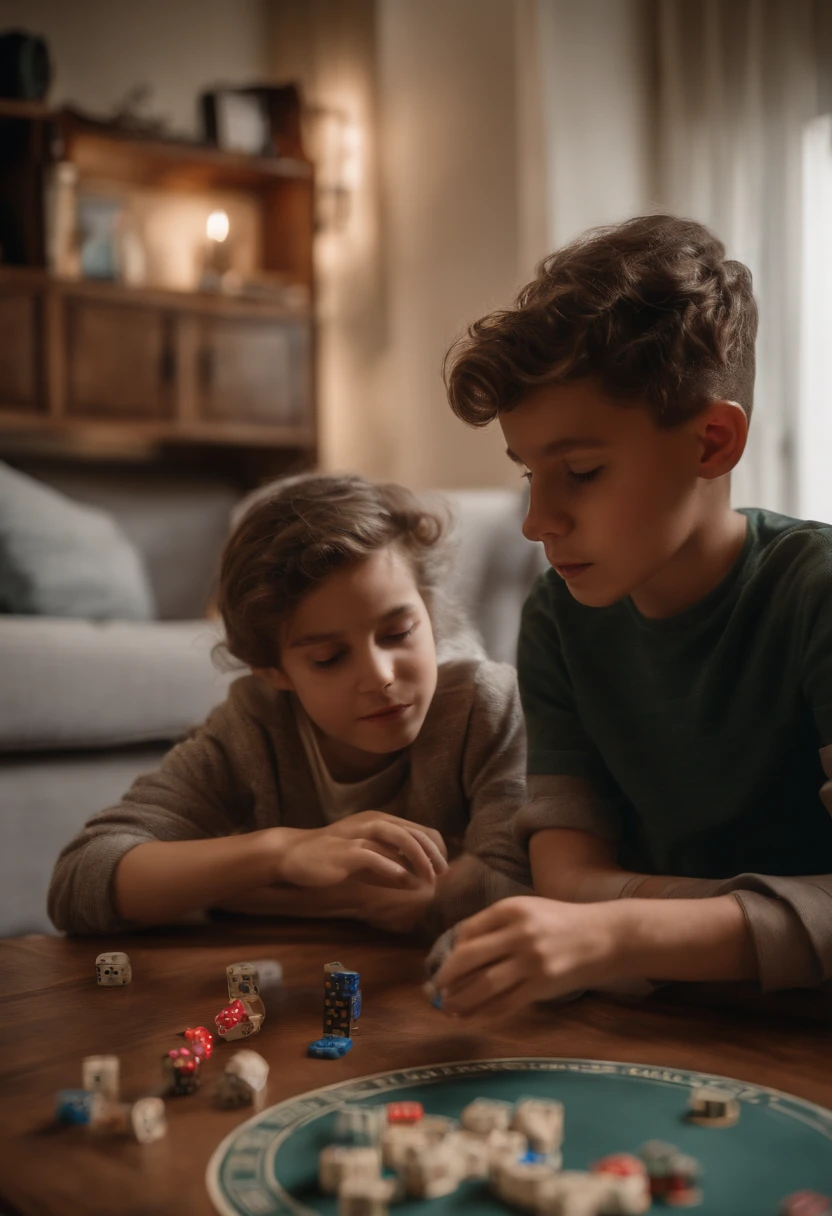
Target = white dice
(113,969)
(100,1075)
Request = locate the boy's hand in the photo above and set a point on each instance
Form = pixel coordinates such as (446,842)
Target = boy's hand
(526,949)
(372,846)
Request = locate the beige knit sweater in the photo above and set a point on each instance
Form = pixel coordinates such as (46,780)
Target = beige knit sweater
(246,768)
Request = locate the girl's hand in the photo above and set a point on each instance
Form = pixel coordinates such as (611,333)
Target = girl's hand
(374,847)
(526,949)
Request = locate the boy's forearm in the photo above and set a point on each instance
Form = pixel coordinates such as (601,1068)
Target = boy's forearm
(693,940)
(162,880)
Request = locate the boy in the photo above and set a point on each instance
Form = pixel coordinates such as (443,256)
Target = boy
(675,663)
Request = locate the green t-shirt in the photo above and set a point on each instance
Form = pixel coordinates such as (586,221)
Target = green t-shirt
(700,731)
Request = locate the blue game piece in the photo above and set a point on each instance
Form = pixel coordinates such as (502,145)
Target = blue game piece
(355,1007)
(345,983)
(330,1047)
(533,1158)
(73,1105)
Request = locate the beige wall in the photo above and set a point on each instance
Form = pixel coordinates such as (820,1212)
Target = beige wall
(599,93)
(493,129)
(101,48)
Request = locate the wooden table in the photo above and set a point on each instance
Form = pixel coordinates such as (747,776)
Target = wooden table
(53,1014)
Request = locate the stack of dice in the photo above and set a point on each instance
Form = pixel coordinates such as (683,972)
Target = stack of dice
(342,1009)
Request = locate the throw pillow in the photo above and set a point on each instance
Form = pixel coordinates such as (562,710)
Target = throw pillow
(59,557)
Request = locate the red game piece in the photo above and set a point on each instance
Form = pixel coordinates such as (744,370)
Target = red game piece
(405,1112)
(232,1016)
(806,1203)
(181,1069)
(201,1040)
(622,1165)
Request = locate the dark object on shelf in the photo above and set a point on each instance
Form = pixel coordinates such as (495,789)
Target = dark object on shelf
(25,66)
(263,120)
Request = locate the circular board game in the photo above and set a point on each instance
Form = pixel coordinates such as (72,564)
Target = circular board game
(268,1165)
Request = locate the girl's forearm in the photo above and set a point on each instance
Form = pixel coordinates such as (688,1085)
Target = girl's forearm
(683,940)
(162,880)
(383,907)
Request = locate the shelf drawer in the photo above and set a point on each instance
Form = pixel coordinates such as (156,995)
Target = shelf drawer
(254,371)
(120,361)
(21,352)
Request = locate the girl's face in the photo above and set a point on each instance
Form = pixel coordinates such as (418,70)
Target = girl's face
(358,652)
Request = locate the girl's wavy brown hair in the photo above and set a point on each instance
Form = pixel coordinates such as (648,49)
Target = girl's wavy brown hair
(296,531)
(650,309)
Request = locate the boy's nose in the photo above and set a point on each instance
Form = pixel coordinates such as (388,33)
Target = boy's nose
(542,521)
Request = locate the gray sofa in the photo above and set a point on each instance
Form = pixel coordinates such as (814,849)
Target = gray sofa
(86,707)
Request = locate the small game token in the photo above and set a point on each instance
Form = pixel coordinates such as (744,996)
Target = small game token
(712,1107)
(806,1203)
(113,969)
(232,1091)
(366,1196)
(201,1040)
(432,1170)
(405,1112)
(238,1020)
(541,1122)
(147,1120)
(100,1074)
(250,1066)
(522,1183)
(181,1071)
(76,1105)
(485,1115)
(340,1163)
(360,1124)
(330,1047)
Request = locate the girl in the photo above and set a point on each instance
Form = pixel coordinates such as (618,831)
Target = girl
(338,777)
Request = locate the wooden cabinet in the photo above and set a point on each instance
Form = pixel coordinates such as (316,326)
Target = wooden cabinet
(22,383)
(253,371)
(120,361)
(88,366)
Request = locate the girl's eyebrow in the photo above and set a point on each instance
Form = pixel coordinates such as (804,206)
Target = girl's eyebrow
(313,639)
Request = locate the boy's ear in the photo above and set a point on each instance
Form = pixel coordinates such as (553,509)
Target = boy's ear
(275,678)
(723,431)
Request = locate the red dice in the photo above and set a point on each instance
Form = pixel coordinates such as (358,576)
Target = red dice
(201,1040)
(230,1016)
(622,1165)
(405,1112)
(184,1061)
(806,1203)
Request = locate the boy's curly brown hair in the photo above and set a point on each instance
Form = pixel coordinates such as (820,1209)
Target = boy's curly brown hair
(650,309)
(296,531)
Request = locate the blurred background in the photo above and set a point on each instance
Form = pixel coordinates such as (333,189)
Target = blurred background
(454,143)
(237,238)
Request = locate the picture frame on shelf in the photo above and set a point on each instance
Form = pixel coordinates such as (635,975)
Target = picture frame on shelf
(260,120)
(237,120)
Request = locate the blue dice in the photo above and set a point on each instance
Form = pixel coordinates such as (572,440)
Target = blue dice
(330,1047)
(73,1105)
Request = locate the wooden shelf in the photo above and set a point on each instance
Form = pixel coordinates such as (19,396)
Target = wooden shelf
(100,367)
(203,302)
(138,160)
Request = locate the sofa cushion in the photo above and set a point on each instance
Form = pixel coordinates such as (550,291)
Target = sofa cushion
(81,684)
(61,558)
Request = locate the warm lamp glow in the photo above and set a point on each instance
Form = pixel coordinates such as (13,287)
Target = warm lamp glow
(216,227)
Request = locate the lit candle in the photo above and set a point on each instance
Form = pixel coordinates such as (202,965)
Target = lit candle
(216,227)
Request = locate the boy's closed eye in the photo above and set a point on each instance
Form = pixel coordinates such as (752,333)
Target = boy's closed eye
(578,476)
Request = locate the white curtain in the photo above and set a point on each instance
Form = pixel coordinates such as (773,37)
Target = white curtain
(739,81)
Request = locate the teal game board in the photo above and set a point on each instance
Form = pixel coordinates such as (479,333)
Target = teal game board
(268,1165)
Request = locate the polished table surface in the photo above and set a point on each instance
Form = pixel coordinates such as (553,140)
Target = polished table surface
(52,1014)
